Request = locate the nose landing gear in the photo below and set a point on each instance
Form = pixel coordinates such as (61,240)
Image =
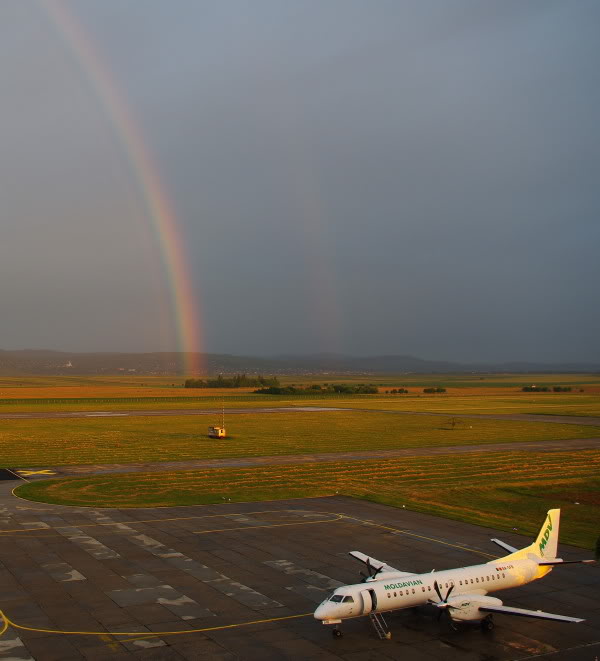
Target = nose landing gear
(336,632)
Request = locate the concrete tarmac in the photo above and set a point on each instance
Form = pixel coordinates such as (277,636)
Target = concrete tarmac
(205,572)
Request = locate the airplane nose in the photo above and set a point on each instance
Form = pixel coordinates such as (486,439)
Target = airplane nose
(319,614)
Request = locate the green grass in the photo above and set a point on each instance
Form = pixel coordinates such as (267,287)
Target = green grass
(59,441)
(230,401)
(491,489)
(573,404)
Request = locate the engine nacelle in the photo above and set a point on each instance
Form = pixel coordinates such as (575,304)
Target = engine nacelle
(466,607)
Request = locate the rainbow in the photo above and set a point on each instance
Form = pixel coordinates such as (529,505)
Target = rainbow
(160,209)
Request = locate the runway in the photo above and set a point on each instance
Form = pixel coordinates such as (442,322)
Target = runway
(196,576)
(135,413)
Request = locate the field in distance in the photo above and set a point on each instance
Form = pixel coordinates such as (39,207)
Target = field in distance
(465,394)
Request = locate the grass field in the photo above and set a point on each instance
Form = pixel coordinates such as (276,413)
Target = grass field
(46,442)
(466,393)
(500,490)
(572,404)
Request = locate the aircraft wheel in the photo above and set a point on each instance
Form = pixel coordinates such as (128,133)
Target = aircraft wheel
(336,633)
(487,624)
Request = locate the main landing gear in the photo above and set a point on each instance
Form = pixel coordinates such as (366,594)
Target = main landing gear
(487,624)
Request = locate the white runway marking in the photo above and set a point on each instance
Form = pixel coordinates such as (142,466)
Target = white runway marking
(105,415)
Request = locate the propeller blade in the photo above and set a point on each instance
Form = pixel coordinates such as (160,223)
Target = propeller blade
(369,569)
(437,589)
(449,591)
(448,621)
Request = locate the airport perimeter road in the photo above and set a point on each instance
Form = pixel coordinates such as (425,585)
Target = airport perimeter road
(561,419)
(241,581)
(28,473)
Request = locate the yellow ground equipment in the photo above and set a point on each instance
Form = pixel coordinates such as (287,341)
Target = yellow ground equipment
(216,432)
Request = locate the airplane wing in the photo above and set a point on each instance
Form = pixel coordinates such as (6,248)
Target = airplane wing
(524,612)
(560,561)
(504,545)
(378,565)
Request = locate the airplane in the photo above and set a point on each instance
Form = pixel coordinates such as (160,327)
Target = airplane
(466,589)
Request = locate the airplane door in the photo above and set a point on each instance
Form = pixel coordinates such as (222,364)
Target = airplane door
(373,599)
(367,601)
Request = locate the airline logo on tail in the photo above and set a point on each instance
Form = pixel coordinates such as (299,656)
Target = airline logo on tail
(545,537)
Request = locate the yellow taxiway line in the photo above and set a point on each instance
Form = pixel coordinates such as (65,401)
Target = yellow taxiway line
(6,622)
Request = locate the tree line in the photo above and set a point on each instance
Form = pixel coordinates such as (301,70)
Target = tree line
(327,388)
(237,381)
(546,389)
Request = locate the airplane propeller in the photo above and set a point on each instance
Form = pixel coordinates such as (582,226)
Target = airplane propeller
(371,572)
(443,604)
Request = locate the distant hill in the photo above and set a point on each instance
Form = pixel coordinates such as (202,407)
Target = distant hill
(30,361)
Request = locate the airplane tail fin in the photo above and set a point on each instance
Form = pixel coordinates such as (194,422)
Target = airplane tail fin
(546,543)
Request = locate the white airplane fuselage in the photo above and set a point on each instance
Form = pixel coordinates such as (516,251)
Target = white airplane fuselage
(471,585)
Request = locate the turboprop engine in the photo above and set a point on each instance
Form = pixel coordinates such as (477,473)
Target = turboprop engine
(465,607)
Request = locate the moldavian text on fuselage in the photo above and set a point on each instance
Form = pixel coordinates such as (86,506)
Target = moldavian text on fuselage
(405,584)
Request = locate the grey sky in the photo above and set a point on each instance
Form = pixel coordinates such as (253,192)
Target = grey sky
(364,177)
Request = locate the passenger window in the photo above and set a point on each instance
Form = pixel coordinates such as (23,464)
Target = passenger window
(389,595)
(401,593)
(471,581)
(429,588)
(395,595)
(488,578)
(460,582)
(423,589)
(493,577)
(477,580)
(413,590)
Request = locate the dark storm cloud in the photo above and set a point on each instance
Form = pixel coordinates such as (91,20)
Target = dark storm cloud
(369,177)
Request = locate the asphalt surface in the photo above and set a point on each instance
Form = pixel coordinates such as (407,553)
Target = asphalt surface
(208,567)
(29,473)
(561,419)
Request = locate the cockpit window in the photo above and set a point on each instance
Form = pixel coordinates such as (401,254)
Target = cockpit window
(348,600)
(337,598)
